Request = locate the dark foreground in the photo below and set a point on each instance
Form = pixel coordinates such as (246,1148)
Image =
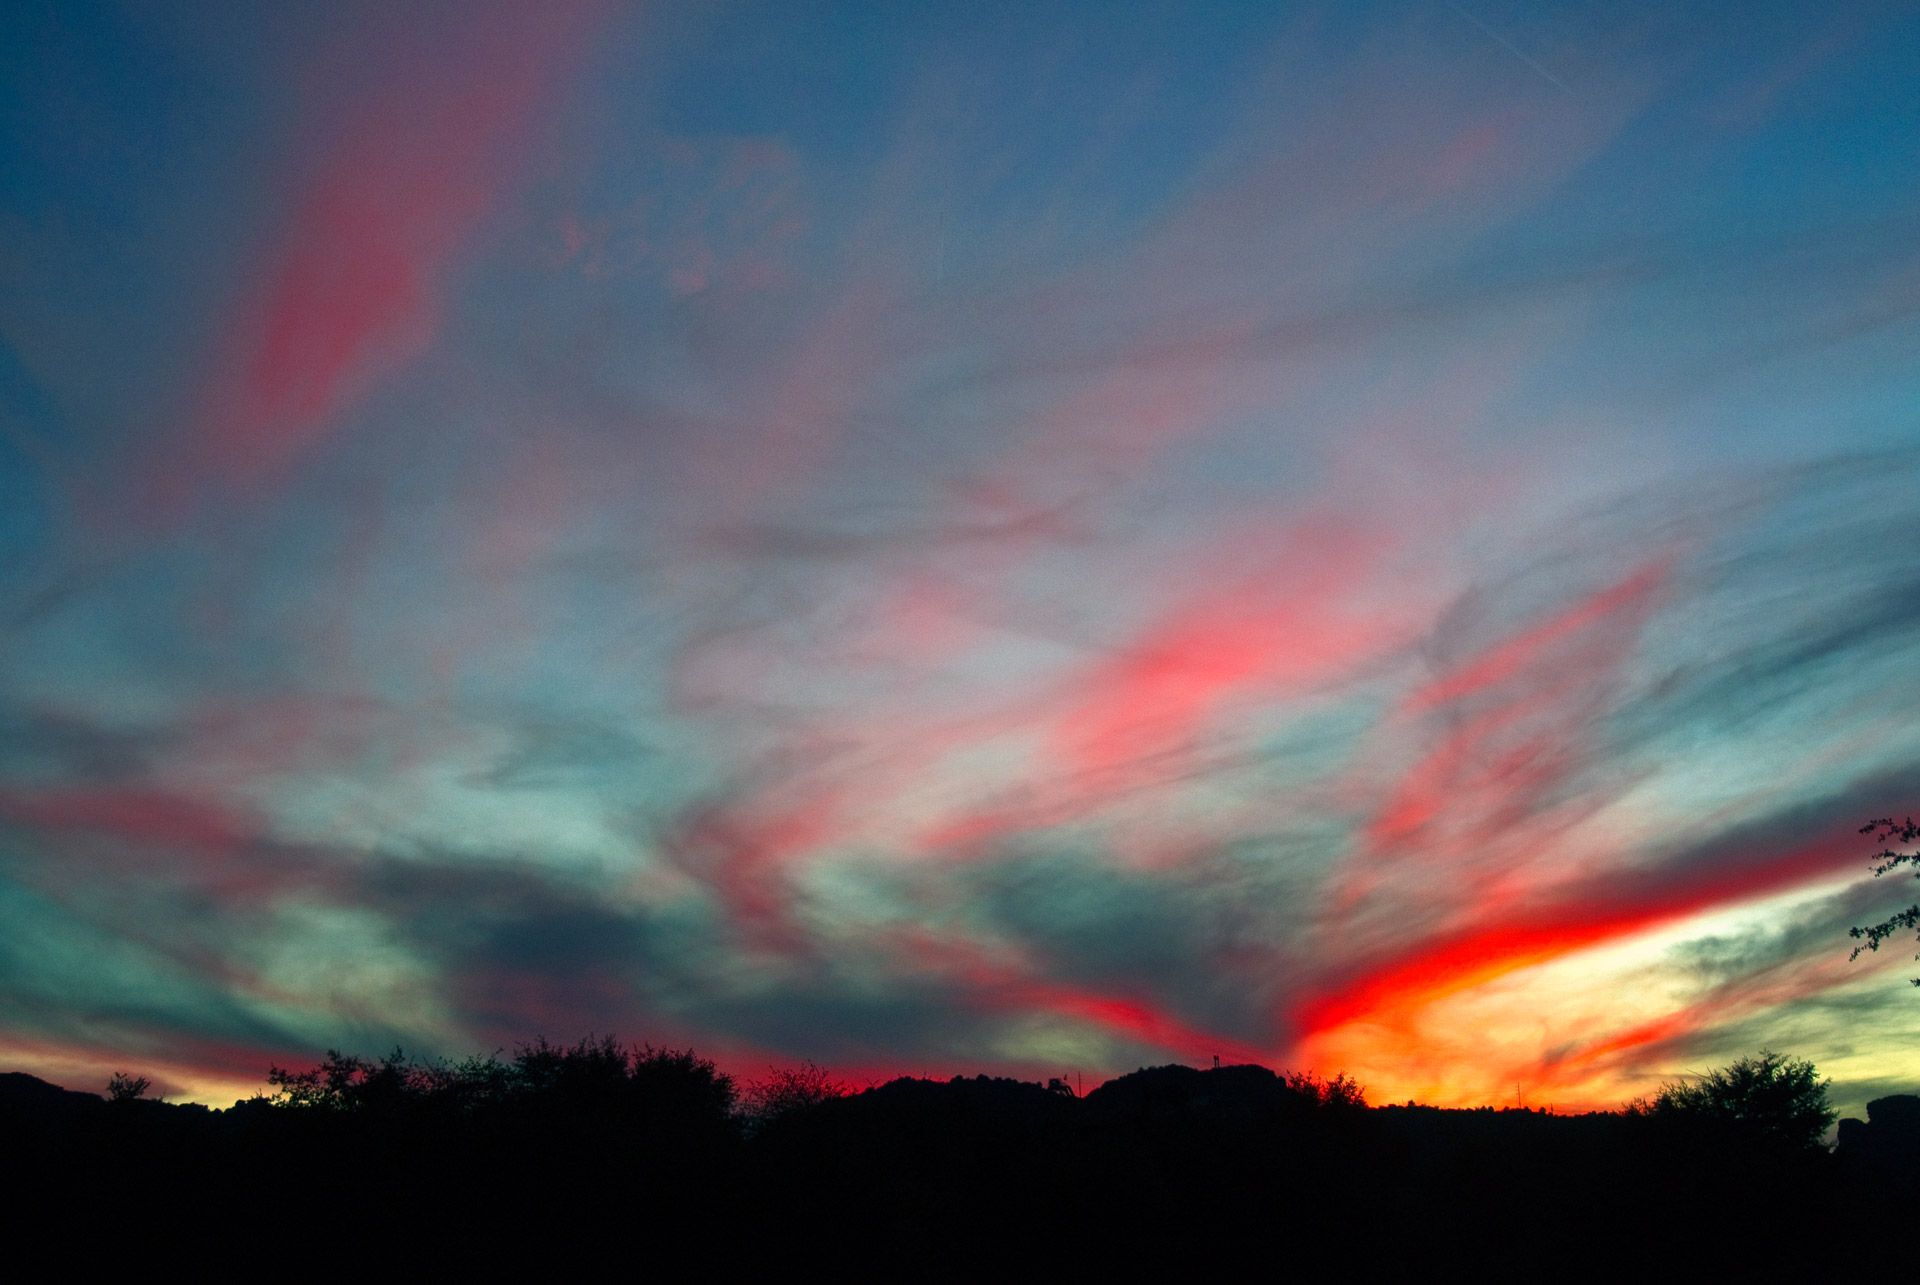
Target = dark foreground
(1167,1173)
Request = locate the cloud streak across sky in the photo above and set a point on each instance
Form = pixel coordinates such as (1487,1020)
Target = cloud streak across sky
(1380,539)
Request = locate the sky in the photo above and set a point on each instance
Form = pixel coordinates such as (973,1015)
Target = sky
(1031,538)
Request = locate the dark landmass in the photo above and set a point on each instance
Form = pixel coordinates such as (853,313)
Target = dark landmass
(651,1166)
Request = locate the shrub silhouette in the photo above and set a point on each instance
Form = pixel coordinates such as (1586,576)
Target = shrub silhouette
(1342,1092)
(122,1087)
(693,1084)
(1766,1098)
(344,1082)
(788,1091)
(595,1079)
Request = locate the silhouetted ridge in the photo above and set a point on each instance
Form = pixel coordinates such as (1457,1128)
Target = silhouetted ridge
(1221,1095)
(983,1101)
(35,1113)
(601,1151)
(26,1093)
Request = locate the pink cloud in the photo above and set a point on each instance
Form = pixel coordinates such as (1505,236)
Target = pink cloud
(400,176)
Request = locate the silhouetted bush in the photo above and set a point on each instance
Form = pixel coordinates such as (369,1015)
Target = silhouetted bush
(1768,1099)
(788,1090)
(599,1079)
(1341,1093)
(122,1087)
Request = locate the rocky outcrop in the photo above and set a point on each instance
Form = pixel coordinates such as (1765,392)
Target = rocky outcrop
(1889,1136)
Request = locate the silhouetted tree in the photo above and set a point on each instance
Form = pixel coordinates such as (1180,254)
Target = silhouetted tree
(1889,832)
(1768,1098)
(122,1087)
(684,1084)
(1342,1092)
(596,1080)
(590,1076)
(471,1085)
(788,1090)
(348,1083)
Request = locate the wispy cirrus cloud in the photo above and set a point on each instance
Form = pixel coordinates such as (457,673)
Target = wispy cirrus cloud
(1352,558)
(412,126)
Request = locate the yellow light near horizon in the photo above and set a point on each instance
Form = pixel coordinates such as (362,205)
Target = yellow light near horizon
(1593,1028)
(87,1069)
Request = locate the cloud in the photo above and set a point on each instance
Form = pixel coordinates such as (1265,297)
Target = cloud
(391,182)
(943,579)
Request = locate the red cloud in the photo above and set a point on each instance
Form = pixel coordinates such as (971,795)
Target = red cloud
(1480,814)
(1514,728)
(1520,714)
(351,287)
(1290,623)
(995,986)
(152,833)
(148,817)
(1579,918)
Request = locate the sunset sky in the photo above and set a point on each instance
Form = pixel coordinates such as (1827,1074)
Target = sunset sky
(1023,538)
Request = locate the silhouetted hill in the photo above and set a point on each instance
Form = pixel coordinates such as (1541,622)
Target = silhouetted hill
(576,1154)
(1182,1095)
(918,1105)
(1190,1168)
(28,1096)
(35,1112)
